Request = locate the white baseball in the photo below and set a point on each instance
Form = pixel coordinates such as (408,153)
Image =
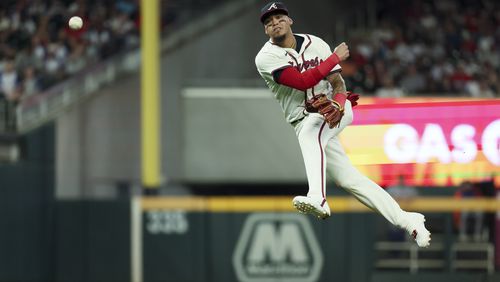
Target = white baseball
(75,22)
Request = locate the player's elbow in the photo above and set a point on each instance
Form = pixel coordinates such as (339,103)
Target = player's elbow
(310,78)
(291,77)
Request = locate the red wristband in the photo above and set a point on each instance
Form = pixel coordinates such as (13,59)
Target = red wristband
(340,98)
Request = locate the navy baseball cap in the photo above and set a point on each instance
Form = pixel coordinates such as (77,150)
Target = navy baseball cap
(272,7)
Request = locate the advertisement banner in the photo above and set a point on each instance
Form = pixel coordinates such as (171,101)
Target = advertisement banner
(431,142)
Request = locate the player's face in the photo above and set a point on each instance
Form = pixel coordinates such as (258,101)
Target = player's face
(277,26)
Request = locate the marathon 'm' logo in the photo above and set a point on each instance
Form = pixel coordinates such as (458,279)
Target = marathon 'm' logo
(279,248)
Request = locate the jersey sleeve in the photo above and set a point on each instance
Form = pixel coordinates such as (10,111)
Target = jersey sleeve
(324,50)
(268,63)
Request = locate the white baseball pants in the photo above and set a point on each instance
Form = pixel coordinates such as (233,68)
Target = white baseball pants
(323,154)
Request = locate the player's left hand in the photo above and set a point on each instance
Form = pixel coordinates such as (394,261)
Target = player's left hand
(353,97)
(331,110)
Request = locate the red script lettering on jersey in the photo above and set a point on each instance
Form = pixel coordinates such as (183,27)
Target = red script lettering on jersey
(306,64)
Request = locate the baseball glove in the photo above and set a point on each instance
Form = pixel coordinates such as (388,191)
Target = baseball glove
(353,97)
(330,109)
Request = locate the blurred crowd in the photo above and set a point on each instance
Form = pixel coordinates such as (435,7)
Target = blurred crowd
(37,49)
(417,47)
(429,47)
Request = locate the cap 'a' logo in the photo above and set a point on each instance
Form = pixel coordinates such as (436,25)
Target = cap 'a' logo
(273,6)
(275,247)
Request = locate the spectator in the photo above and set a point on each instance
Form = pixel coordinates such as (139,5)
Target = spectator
(469,223)
(10,82)
(460,78)
(10,94)
(413,81)
(401,190)
(30,84)
(388,89)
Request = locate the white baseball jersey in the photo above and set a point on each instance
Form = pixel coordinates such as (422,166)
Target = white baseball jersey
(273,57)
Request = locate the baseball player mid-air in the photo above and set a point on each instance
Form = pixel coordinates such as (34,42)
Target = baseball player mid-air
(304,76)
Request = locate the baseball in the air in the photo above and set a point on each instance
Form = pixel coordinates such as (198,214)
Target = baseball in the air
(75,22)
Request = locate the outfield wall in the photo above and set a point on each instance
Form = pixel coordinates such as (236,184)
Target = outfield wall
(199,242)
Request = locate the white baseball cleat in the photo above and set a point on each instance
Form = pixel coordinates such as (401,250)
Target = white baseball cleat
(416,228)
(309,205)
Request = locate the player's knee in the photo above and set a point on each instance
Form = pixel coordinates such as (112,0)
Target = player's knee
(350,184)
